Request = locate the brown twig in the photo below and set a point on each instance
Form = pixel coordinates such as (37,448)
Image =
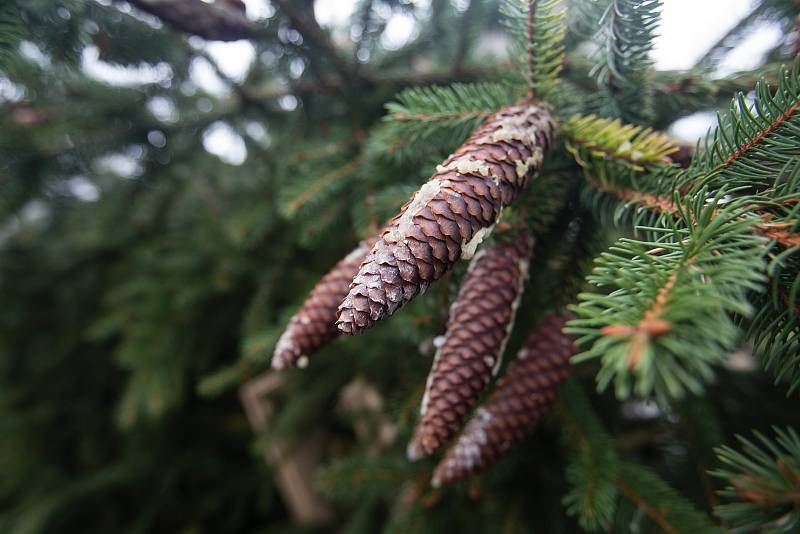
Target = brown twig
(778,231)
(317,185)
(651,325)
(219,21)
(774,125)
(656,514)
(311,31)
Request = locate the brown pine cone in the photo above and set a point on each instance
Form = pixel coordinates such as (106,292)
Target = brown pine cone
(449,216)
(314,325)
(480,321)
(522,397)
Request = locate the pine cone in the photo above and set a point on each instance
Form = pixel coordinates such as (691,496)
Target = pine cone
(522,397)
(450,215)
(481,319)
(314,325)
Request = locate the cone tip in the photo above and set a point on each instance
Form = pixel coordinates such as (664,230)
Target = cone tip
(414,451)
(280,360)
(346,327)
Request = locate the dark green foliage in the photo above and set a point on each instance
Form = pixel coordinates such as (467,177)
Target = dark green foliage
(665,510)
(667,279)
(11,32)
(541,56)
(765,478)
(625,41)
(753,144)
(426,122)
(144,280)
(594,469)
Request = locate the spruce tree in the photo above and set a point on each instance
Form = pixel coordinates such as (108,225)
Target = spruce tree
(178,347)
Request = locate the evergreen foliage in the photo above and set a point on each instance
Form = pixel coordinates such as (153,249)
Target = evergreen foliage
(625,41)
(145,280)
(765,479)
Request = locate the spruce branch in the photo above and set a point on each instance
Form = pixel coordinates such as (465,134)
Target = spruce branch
(625,41)
(763,491)
(611,138)
(661,503)
(594,465)
(753,143)
(307,25)
(665,316)
(426,120)
(777,231)
(12,31)
(540,28)
(315,187)
(775,330)
(599,478)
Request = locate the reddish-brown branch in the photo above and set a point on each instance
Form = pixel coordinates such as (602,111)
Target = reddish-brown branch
(778,231)
(774,125)
(651,325)
(656,514)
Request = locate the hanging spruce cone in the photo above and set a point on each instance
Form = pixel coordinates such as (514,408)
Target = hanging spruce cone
(449,216)
(314,325)
(478,327)
(522,397)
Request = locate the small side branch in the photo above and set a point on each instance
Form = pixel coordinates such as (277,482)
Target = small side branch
(777,231)
(755,140)
(531,18)
(656,514)
(318,38)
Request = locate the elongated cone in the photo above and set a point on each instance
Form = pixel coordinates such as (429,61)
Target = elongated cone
(314,325)
(522,398)
(480,321)
(449,216)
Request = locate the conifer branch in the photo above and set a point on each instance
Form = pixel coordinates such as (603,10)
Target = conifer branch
(307,25)
(753,144)
(764,132)
(593,468)
(763,491)
(599,478)
(324,181)
(656,514)
(530,26)
(707,256)
(602,137)
(540,27)
(777,231)
(218,21)
(625,41)
(424,120)
(661,503)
